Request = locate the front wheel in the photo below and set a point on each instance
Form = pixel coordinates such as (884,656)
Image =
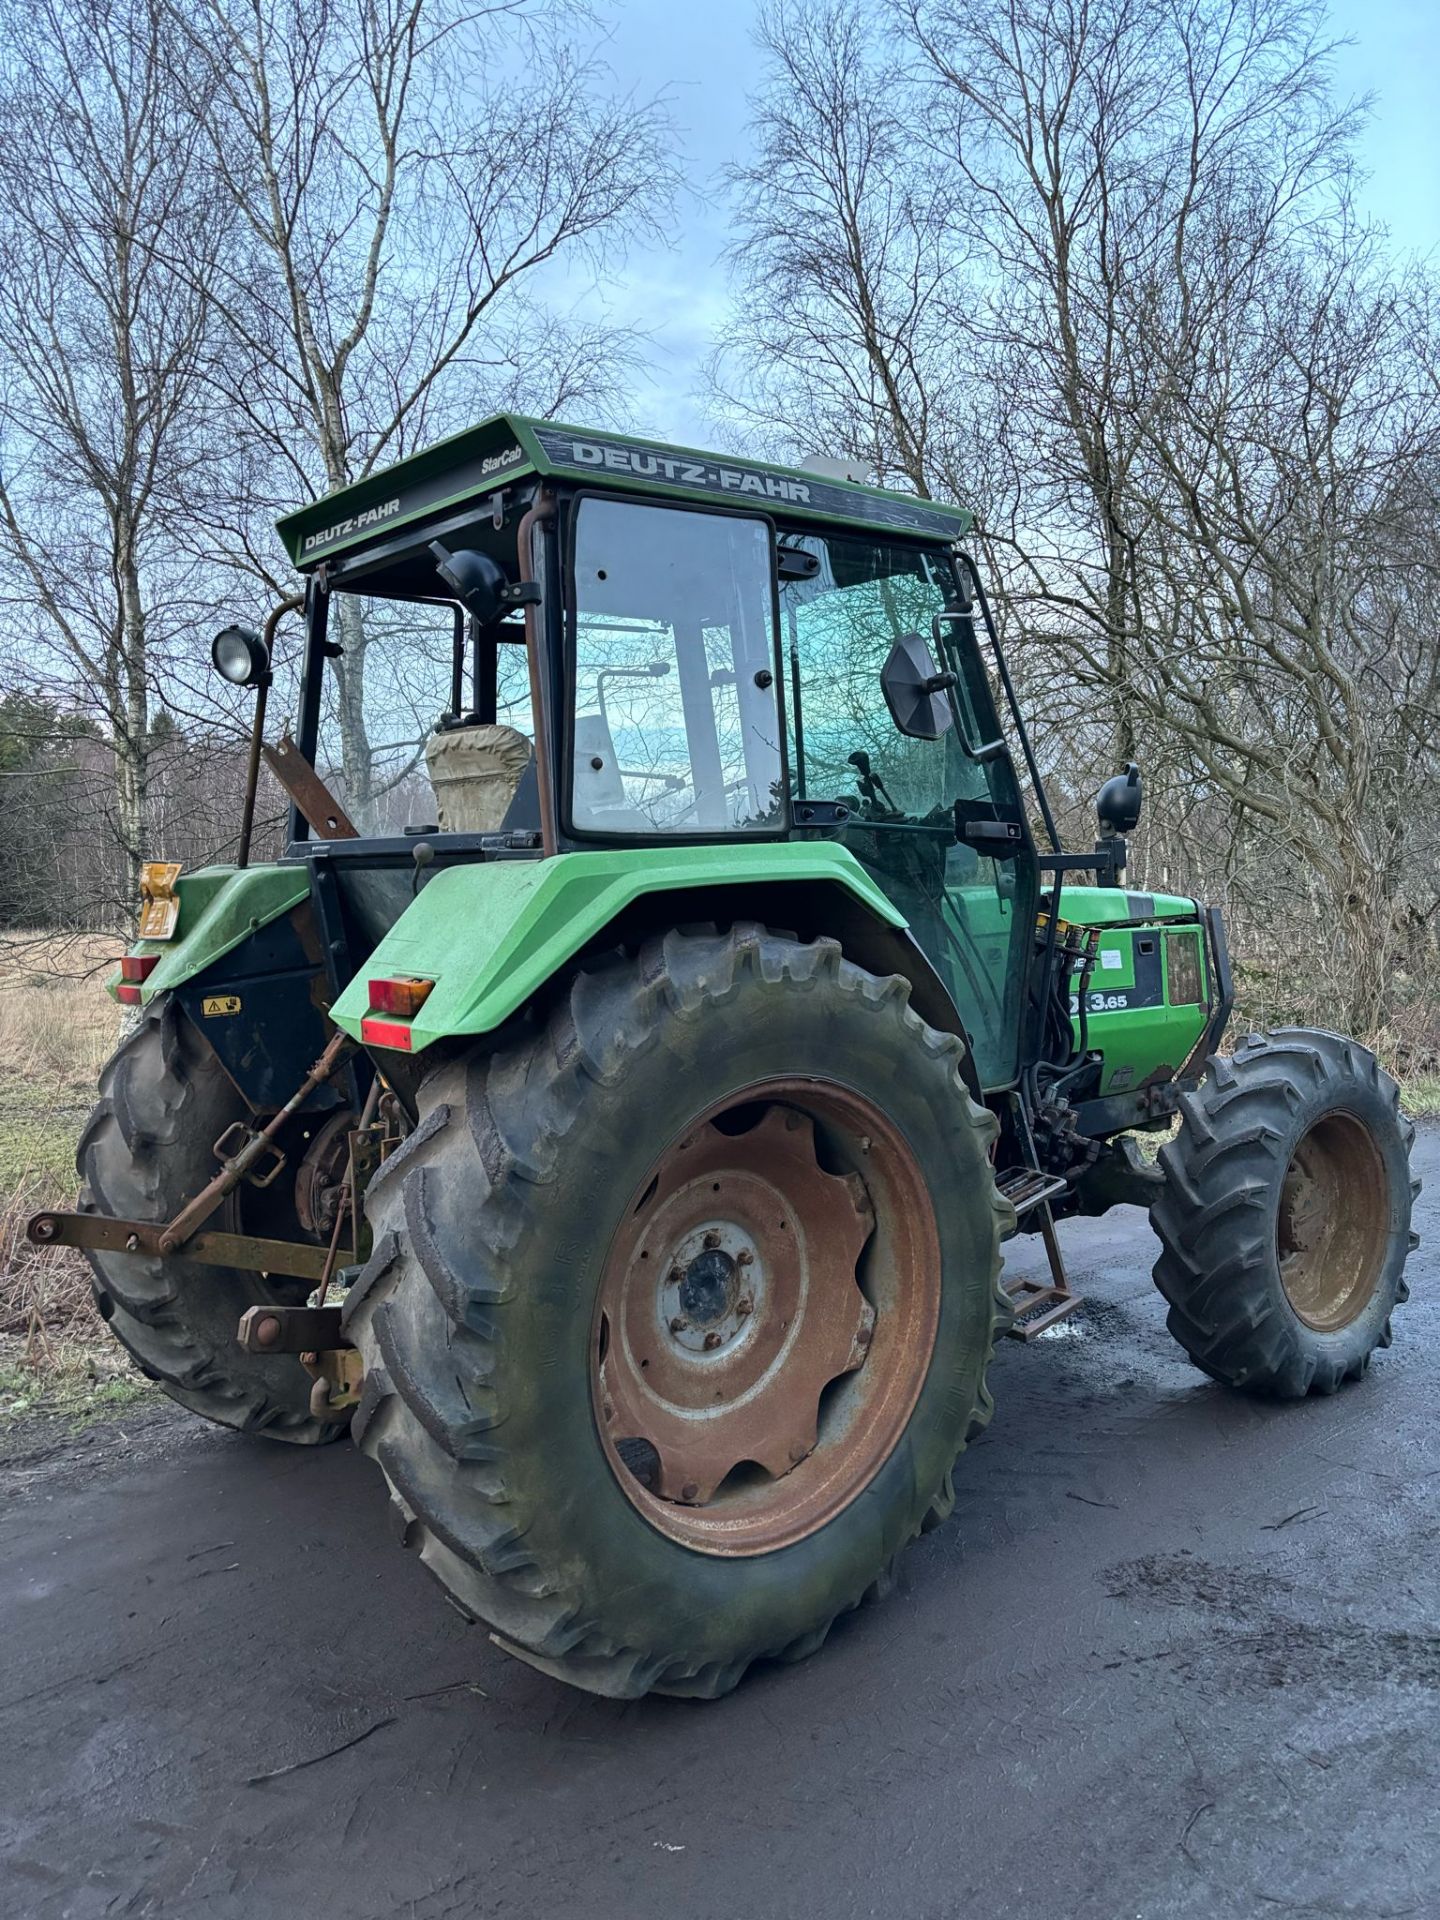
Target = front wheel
(1284,1223)
(680,1310)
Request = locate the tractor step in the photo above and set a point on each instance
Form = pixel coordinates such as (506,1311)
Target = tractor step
(1027,1187)
(1038,1306)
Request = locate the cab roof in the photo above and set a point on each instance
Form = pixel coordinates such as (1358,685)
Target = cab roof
(509,448)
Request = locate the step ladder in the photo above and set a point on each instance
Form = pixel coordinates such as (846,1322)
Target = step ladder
(1037,1305)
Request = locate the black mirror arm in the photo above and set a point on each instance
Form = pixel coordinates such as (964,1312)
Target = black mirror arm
(970,576)
(988,750)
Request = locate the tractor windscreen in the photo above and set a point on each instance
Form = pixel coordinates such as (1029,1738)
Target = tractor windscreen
(675,726)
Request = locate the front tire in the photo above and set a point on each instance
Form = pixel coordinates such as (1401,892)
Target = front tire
(1285,1221)
(511,1236)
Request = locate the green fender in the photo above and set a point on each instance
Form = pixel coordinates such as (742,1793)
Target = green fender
(491,934)
(219,907)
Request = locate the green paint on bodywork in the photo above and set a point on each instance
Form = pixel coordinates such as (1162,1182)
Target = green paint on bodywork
(490,934)
(219,907)
(1144,1043)
(1121,906)
(1138,1043)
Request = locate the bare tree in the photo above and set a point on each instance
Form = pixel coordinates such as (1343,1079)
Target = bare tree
(1209,372)
(841,250)
(1288,646)
(102,344)
(402,176)
(1192,402)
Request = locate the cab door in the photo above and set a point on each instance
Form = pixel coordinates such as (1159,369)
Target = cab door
(970,903)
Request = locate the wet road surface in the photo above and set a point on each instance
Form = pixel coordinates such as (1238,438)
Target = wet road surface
(1178,1654)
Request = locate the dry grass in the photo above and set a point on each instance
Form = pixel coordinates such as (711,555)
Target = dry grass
(57,1023)
(57,1027)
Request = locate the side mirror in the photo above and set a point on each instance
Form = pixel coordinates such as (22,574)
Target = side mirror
(914,691)
(240,656)
(474,579)
(1119,801)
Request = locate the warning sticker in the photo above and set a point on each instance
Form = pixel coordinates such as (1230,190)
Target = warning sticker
(216,1005)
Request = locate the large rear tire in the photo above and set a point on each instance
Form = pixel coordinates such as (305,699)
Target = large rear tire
(148,1148)
(1284,1224)
(626,1184)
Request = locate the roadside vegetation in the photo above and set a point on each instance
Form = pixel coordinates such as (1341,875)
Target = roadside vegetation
(57,1026)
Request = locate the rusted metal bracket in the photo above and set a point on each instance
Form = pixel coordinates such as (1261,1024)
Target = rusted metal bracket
(309,791)
(266,1329)
(367,1147)
(339,1374)
(237,1165)
(236,1137)
(98,1233)
(159,902)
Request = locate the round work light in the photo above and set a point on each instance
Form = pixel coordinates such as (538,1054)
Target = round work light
(240,656)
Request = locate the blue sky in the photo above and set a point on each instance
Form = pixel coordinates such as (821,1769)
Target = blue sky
(704,57)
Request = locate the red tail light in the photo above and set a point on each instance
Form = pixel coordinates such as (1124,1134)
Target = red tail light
(138,966)
(128,996)
(385,1033)
(403,996)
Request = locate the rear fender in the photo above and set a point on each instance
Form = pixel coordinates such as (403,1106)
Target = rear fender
(220,907)
(493,935)
(246,965)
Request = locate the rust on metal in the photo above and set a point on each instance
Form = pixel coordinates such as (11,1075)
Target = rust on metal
(159,902)
(268,1329)
(195,1212)
(98,1233)
(233,1142)
(309,791)
(1332,1223)
(731,1300)
(339,1375)
(1037,1306)
(320,1176)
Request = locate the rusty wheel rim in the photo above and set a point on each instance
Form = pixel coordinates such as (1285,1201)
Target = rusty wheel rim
(1332,1223)
(765,1317)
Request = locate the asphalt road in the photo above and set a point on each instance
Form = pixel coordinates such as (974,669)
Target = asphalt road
(1177,1654)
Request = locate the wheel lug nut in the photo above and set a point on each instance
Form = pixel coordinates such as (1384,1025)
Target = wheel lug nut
(744,1305)
(744,1258)
(675,1277)
(712,1238)
(712,1340)
(689,1491)
(677,1325)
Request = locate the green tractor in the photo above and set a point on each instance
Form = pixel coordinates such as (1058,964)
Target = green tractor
(611,1106)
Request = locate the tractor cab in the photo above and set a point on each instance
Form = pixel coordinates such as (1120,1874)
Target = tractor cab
(609,645)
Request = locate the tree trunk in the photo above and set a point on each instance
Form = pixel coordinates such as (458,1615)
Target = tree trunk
(131,731)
